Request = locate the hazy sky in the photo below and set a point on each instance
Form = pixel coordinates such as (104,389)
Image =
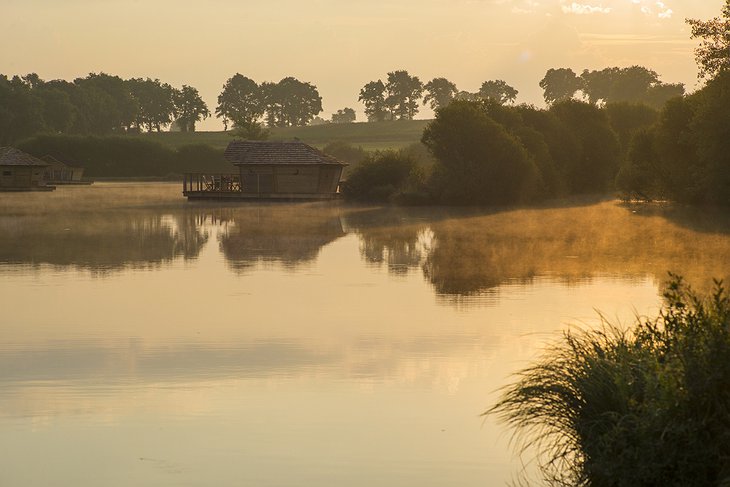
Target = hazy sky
(339,45)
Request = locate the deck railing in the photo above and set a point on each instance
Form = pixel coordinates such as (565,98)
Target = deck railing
(211,183)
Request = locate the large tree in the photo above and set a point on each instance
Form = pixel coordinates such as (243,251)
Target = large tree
(58,111)
(290,103)
(713,53)
(21,112)
(635,84)
(439,93)
(560,85)
(107,93)
(373,96)
(498,91)
(155,100)
(344,115)
(240,102)
(599,149)
(189,108)
(403,92)
(478,161)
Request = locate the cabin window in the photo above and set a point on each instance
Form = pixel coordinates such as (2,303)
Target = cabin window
(7,173)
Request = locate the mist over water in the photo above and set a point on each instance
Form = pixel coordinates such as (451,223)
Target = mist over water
(150,341)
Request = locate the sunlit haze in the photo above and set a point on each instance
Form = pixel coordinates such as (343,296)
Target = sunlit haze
(341,45)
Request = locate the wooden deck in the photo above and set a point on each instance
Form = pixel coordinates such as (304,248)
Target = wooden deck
(228,187)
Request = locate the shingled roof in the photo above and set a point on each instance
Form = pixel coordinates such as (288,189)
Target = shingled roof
(10,156)
(265,152)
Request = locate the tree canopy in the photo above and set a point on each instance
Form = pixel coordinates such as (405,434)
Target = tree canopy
(344,115)
(439,93)
(190,108)
(403,92)
(478,161)
(290,102)
(240,102)
(498,91)
(373,96)
(713,53)
(560,85)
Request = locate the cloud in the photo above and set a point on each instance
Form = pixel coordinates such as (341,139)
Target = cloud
(583,9)
(652,8)
(664,11)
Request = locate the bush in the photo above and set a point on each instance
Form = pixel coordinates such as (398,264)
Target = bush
(645,407)
(381,177)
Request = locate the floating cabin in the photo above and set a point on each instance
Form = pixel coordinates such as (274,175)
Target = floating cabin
(59,173)
(21,172)
(270,171)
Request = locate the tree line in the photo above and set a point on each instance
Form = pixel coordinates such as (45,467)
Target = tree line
(97,104)
(615,128)
(399,97)
(103,104)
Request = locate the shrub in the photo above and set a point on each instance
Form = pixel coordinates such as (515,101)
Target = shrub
(645,407)
(380,177)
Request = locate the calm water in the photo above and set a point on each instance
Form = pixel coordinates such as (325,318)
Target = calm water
(146,341)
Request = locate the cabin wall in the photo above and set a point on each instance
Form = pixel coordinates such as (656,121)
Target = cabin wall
(297,179)
(290,178)
(258,179)
(21,177)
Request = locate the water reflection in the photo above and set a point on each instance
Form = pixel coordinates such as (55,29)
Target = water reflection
(258,339)
(461,253)
(288,235)
(467,253)
(99,242)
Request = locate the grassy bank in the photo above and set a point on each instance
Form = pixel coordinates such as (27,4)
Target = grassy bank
(370,136)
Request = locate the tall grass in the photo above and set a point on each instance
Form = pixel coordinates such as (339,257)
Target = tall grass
(648,406)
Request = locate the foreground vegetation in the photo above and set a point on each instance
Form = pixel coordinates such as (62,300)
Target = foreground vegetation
(648,406)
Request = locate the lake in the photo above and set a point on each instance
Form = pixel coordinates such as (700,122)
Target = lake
(148,341)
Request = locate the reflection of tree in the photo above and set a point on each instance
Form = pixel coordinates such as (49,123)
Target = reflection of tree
(397,237)
(286,234)
(466,252)
(471,255)
(99,241)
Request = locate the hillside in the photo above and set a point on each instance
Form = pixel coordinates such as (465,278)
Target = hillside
(369,136)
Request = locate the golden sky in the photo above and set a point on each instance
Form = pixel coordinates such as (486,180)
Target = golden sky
(339,45)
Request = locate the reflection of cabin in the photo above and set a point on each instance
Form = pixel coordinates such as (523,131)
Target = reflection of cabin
(59,173)
(21,172)
(281,234)
(270,170)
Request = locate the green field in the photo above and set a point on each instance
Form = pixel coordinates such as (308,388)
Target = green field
(369,136)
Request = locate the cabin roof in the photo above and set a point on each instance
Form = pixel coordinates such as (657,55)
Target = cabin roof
(265,152)
(10,156)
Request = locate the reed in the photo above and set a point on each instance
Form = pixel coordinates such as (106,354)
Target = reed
(639,407)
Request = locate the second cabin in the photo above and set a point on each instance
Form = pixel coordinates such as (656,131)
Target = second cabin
(270,170)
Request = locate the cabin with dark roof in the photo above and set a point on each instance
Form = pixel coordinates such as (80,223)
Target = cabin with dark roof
(21,172)
(270,170)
